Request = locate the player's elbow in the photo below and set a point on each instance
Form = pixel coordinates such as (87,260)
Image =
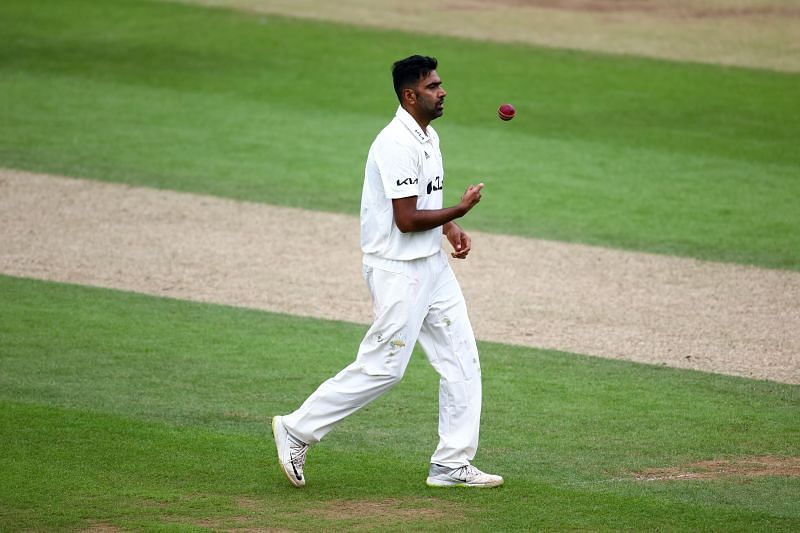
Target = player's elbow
(405,225)
(404,228)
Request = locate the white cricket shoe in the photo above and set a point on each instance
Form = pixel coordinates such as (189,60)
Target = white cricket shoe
(291,453)
(462,476)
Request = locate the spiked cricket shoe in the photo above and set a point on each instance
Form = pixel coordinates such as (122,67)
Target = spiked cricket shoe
(291,453)
(462,476)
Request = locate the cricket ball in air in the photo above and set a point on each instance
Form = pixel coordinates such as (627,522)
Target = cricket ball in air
(506,112)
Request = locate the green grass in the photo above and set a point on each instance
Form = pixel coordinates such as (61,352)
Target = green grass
(131,411)
(646,155)
(125,410)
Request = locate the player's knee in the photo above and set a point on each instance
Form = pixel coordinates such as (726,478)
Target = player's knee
(387,374)
(396,375)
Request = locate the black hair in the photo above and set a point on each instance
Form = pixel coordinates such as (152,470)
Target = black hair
(410,70)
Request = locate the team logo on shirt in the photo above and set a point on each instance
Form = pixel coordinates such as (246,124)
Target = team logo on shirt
(437,184)
(408,181)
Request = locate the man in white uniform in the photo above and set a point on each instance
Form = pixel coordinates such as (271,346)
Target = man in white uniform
(415,295)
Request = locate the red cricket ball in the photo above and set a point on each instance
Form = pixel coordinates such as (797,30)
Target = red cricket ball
(506,112)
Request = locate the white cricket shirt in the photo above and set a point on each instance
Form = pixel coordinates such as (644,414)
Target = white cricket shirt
(403,161)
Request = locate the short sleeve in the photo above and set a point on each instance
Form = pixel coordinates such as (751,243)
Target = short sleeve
(398,165)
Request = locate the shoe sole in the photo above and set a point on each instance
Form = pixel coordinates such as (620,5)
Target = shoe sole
(438,483)
(286,473)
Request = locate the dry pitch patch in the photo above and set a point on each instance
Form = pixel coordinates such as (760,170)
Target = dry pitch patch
(748,33)
(746,467)
(679,312)
(353,515)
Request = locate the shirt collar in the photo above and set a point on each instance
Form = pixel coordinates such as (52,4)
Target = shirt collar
(409,122)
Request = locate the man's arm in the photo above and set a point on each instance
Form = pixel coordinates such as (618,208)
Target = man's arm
(408,218)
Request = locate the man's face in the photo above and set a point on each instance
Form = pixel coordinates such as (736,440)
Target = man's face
(430,95)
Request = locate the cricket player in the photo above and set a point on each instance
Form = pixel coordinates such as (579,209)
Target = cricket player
(414,292)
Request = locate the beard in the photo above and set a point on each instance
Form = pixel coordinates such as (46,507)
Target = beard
(432,108)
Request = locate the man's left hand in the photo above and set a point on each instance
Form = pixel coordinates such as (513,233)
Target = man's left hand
(460,240)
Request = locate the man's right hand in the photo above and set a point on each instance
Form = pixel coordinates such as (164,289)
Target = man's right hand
(471,197)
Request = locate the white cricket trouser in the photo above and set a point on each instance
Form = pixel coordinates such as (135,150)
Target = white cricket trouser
(412,300)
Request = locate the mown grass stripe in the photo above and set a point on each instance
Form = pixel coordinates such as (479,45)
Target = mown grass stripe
(648,155)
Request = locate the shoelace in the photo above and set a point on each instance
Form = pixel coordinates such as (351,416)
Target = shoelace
(297,453)
(465,472)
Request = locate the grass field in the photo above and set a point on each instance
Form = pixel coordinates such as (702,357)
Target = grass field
(130,412)
(137,412)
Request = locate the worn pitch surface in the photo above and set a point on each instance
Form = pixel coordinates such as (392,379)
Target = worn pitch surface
(650,308)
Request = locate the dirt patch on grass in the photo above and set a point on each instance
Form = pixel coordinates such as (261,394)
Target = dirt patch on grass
(749,33)
(649,308)
(102,528)
(747,467)
(366,514)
